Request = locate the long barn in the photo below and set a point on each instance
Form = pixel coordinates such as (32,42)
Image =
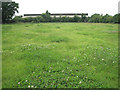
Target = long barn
(58,14)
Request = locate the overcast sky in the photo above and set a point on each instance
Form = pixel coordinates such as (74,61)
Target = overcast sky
(68,6)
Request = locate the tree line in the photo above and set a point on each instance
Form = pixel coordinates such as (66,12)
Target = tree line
(95,18)
(10,8)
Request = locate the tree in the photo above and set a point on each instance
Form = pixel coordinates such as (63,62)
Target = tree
(18,19)
(96,18)
(8,11)
(76,18)
(107,18)
(46,16)
(83,18)
(116,18)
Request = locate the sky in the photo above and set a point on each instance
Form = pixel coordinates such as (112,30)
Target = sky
(68,6)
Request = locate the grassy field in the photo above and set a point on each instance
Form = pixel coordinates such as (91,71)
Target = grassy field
(60,55)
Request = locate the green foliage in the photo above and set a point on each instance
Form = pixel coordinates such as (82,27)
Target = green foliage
(76,18)
(60,55)
(46,16)
(106,18)
(84,18)
(8,11)
(18,19)
(95,18)
(116,18)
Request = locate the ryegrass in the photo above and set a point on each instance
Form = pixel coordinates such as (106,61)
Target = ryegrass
(60,55)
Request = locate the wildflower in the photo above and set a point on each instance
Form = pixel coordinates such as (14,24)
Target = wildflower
(18,82)
(29,86)
(102,59)
(26,80)
(32,86)
(80,82)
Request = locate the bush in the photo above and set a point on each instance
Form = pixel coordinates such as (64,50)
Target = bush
(17,19)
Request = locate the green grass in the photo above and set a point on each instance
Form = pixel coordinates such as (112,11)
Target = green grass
(60,55)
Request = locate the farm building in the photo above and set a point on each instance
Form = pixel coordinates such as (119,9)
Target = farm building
(58,15)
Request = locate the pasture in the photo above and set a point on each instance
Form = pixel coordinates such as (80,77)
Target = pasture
(60,55)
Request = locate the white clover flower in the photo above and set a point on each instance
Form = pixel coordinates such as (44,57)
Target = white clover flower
(32,86)
(18,82)
(80,82)
(29,86)
(26,80)
(102,59)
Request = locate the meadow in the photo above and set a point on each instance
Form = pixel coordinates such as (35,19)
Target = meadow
(60,55)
